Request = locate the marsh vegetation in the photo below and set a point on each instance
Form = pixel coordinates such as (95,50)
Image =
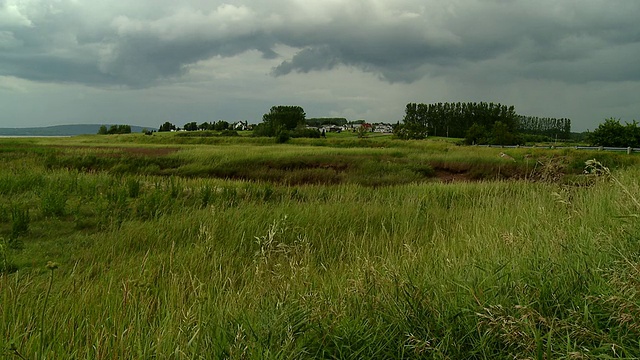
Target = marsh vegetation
(234,247)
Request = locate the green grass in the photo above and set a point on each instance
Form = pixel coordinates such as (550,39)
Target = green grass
(336,160)
(182,263)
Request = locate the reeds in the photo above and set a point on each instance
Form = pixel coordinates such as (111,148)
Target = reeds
(194,267)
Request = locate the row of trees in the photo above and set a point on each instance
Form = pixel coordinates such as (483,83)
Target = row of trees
(454,119)
(318,122)
(114,129)
(218,126)
(551,127)
(193,126)
(478,123)
(167,126)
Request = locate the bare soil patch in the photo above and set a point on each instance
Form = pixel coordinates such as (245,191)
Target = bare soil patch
(452,177)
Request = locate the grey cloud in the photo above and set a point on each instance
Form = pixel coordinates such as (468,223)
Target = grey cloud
(118,50)
(48,69)
(545,36)
(314,58)
(115,43)
(141,61)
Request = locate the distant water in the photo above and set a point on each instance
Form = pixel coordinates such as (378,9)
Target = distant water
(35,136)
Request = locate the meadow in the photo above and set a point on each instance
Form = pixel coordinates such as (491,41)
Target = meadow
(169,247)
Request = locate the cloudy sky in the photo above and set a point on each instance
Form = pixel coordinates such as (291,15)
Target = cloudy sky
(144,62)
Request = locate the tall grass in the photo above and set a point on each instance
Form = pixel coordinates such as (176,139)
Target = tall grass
(175,267)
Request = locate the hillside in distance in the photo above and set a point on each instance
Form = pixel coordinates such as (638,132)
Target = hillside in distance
(59,130)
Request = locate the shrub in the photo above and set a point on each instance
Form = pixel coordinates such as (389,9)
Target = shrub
(282,136)
(476,135)
(302,132)
(264,129)
(408,131)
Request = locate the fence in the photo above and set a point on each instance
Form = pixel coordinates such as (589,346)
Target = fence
(629,150)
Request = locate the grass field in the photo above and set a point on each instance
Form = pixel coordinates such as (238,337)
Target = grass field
(137,247)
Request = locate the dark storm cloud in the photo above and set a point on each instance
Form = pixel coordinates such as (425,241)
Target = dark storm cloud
(316,58)
(138,45)
(589,41)
(62,45)
(140,61)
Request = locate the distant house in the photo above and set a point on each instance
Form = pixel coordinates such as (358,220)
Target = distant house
(332,128)
(240,125)
(383,128)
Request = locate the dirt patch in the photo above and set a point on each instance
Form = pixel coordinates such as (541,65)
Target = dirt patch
(451,177)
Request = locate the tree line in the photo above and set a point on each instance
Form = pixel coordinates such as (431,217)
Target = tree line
(193,126)
(114,129)
(551,127)
(318,122)
(477,123)
(455,119)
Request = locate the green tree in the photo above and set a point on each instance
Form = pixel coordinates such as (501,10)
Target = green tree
(221,125)
(500,134)
(414,124)
(477,134)
(634,131)
(363,130)
(287,117)
(167,126)
(191,126)
(612,133)
(116,129)
(103,130)
(279,119)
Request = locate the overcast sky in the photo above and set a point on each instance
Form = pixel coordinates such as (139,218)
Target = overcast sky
(144,62)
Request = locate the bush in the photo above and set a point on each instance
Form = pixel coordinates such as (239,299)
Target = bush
(533,138)
(476,135)
(501,135)
(302,132)
(283,136)
(264,130)
(409,131)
